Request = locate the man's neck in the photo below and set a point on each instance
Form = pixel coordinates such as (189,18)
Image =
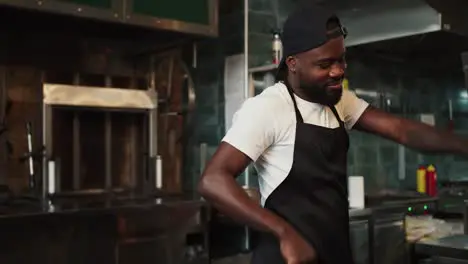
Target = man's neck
(295,88)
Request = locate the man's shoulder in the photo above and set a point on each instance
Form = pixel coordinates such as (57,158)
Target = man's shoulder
(270,101)
(346,96)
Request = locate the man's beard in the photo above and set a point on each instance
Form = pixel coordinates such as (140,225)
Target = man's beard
(321,93)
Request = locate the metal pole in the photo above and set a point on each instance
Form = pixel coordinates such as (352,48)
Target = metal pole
(246,95)
(3,103)
(108,143)
(133,143)
(76,143)
(246,71)
(464,57)
(153,139)
(465,217)
(47,150)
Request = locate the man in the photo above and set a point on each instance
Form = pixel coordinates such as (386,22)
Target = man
(295,133)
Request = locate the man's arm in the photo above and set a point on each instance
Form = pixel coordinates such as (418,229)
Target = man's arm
(255,129)
(415,135)
(219,187)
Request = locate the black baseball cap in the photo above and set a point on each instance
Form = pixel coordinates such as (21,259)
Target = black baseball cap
(306,29)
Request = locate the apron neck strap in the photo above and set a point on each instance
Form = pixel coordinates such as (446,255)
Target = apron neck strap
(335,113)
(299,118)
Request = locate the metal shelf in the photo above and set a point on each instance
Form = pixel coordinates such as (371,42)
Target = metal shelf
(263,68)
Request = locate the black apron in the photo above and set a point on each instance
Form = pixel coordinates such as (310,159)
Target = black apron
(314,196)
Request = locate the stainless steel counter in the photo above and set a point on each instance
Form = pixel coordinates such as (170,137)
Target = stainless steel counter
(359,213)
(454,247)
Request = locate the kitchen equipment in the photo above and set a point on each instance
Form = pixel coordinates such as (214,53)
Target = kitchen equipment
(452,196)
(88,130)
(449,250)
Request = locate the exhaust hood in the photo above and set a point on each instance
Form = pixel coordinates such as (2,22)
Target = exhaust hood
(377,20)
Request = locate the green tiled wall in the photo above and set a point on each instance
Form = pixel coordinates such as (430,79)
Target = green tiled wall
(416,92)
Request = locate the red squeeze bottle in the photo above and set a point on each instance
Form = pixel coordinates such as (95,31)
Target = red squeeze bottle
(431,180)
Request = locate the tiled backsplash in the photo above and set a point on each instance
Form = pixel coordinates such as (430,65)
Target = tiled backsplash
(407,94)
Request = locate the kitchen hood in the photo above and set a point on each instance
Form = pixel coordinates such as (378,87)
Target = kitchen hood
(377,20)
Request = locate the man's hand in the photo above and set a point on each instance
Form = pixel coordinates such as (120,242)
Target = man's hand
(296,250)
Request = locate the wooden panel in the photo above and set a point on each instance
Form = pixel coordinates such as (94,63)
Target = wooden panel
(193,11)
(93,3)
(170,81)
(4,136)
(23,89)
(127,148)
(92,144)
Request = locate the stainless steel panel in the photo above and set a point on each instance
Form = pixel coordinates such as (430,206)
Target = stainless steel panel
(447,247)
(393,19)
(441,260)
(390,245)
(464,57)
(382,20)
(234,86)
(359,233)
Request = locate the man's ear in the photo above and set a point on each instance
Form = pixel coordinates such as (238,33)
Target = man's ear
(291,61)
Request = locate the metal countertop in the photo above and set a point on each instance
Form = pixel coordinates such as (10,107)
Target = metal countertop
(452,247)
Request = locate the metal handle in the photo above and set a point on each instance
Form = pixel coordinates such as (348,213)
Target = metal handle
(203,156)
(465,217)
(159,172)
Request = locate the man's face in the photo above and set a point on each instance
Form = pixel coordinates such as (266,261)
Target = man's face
(320,72)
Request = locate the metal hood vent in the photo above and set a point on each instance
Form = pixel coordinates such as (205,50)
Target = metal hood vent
(377,20)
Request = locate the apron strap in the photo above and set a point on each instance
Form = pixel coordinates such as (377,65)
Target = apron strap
(299,118)
(335,113)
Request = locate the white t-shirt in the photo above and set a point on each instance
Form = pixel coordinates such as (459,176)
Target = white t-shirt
(264,128)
